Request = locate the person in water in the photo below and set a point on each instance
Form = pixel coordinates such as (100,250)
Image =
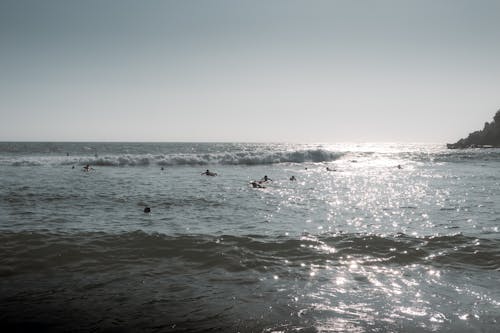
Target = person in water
(399,166)
(266,179)
(293,178)
(147,210)
(256,185)
(87,168)
(328,169)
(209,173)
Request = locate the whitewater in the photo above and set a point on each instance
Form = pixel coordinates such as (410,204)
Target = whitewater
(396,238)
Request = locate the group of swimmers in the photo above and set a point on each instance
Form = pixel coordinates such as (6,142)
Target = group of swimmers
(265,179)
(88,168)
(259,184)
(254,183)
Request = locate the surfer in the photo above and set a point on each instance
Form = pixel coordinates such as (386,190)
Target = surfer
(256,184)
(87,168)
(209,173)
(328,169)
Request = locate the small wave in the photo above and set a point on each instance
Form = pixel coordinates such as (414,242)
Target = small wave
(26,163)
(468,155)
(239,253)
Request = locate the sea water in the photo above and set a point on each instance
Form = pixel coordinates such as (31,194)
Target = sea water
(368,247)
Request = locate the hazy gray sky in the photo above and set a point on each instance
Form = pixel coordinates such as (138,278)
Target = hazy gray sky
(301,71)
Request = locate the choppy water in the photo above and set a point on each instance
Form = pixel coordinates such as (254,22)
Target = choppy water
(366,248)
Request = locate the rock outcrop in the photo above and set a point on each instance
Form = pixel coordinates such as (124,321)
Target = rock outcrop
(487,138)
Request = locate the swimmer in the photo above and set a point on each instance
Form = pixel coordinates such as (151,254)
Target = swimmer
(328,169)
(399,166)
(147,210)
(162,168)
(293,178)
(209,173)
(265,179)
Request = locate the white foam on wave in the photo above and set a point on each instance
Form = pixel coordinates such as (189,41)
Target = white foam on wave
(236,158)
(227,158)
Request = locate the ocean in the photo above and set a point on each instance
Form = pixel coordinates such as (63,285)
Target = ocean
(366,247)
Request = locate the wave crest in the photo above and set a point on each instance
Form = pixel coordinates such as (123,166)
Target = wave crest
(229,158)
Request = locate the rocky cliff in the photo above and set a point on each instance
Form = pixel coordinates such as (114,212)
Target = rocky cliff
(488,137)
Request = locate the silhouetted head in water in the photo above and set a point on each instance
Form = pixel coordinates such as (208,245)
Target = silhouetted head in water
(162,168)
(147,210)
(266,178)
(209,173)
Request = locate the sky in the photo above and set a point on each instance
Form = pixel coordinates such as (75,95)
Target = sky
(248,71)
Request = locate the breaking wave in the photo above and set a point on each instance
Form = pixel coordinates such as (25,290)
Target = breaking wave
(232,158)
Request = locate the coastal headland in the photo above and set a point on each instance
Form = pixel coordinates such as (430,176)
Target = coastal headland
(488,137)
